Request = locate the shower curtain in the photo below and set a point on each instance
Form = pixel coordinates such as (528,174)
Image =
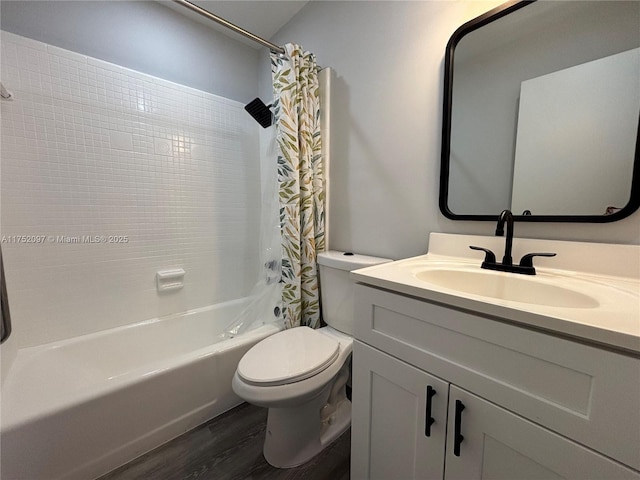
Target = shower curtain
(301,182)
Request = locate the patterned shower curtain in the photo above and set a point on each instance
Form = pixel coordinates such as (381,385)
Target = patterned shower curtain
(301,182)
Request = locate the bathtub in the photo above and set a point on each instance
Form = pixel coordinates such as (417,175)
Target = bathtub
(79,408)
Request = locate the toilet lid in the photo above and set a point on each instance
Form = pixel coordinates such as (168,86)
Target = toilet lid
(287,357)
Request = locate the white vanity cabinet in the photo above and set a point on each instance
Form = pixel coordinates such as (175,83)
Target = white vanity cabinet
(536,406)
(395,401)
(501,445)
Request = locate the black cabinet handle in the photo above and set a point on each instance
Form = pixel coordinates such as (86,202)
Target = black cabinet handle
(429,420)
(457,436)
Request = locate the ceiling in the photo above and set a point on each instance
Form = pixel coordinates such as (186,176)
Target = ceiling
(260,17)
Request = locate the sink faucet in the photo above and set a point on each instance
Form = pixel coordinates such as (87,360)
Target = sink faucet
(506,217)
(526,262)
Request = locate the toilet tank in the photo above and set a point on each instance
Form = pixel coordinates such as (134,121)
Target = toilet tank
(336,288)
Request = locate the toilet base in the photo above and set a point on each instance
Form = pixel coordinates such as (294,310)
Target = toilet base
(306,416)
(295,435)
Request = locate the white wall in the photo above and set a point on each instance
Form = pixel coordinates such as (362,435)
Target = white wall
(386,124)
(142,35)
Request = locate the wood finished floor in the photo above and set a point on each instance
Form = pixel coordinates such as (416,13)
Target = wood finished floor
(229,447)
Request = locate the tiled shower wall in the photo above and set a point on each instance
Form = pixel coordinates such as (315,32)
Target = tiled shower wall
(157,174)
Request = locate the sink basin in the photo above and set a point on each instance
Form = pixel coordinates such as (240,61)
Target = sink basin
(589,291)
(509,287)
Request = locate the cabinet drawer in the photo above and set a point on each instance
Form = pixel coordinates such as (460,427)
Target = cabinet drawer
(580,391)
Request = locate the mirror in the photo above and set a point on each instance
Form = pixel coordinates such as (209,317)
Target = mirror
(541,113)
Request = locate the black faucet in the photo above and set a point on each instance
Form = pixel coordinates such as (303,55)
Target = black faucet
(506,217)
(526,262)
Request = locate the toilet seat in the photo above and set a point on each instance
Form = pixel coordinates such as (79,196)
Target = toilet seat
(288,357)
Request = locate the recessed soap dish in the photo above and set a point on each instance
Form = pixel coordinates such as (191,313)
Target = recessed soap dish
(167,280)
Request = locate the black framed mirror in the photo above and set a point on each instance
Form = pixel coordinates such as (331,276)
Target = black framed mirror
(542,113)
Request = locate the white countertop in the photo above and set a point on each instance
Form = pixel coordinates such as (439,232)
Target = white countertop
(607,273)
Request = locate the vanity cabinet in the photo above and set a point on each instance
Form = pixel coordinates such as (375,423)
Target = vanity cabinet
(400,418)
(529,405)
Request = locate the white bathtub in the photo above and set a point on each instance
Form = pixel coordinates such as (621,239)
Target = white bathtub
(79,408)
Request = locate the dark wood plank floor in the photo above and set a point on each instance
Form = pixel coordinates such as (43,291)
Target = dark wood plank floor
(229,447)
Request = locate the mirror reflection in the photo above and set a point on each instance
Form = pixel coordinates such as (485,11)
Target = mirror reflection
(545,105)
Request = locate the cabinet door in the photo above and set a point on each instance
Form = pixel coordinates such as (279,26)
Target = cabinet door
(498,444)
(392,402)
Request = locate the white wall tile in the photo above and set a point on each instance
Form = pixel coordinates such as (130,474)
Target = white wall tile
(90,148)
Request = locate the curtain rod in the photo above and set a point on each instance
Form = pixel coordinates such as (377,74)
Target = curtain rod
(205,13)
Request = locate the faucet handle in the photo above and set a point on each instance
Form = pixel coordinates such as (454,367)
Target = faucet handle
(527,260)
(489,256)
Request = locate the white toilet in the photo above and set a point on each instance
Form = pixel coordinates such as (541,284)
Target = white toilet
(300,374)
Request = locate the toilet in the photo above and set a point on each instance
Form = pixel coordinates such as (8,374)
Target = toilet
(300,374)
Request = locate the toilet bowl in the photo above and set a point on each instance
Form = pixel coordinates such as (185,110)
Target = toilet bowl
(300,374)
